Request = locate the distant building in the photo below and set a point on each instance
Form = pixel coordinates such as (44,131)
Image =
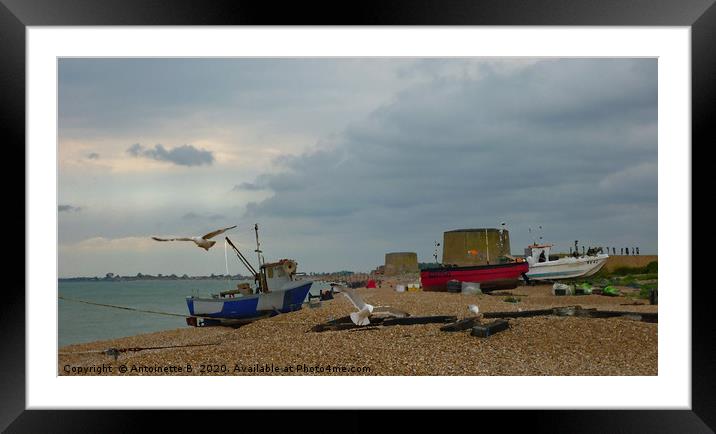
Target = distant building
(400,262)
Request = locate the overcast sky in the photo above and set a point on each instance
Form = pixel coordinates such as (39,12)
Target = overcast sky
(343,160)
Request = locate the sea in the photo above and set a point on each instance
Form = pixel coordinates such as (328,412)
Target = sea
(80,322)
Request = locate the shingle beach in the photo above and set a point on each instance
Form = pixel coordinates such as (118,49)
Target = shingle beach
(284,344)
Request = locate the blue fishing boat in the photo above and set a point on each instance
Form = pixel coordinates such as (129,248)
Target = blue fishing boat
(276,290)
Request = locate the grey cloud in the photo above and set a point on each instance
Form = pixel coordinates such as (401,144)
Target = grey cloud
(185,155)
(165,94)
(556,141)
(196,216)
(93,156)
(135,150)
(568,144)
(279,181)
(68,208)
(249,186)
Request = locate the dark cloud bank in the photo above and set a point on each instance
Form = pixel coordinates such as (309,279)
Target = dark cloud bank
(569,144)
(186,155)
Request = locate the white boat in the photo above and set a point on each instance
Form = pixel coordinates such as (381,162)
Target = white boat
(570,267)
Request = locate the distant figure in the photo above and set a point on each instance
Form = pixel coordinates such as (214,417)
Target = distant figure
(614,250)
(632,250)
(637,250)
(542,257)
(627,251)
(621,251)
(594,251)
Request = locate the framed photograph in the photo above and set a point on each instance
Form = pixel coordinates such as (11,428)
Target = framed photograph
(465,206)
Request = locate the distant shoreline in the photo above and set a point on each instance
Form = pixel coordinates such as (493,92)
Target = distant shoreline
(150,277)
(114,278)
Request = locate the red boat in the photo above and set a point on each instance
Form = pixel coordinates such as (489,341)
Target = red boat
(490,277)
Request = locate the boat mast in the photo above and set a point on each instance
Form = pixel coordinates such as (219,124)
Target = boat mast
(263,283)
(258,245)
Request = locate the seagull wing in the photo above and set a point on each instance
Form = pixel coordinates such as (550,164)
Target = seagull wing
(353,296)
(217,232)
(171,239)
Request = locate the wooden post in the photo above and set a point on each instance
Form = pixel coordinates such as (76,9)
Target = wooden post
(487,330)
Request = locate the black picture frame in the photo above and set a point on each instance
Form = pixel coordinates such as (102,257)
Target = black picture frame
(16,15)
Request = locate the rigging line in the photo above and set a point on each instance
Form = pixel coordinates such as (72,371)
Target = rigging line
(131,308)
(61,353)
(162,313)
(242,258)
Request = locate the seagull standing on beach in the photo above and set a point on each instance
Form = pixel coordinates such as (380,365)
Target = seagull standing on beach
(204,242)
(474,309)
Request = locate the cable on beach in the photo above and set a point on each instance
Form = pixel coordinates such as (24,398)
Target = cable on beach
(116,351)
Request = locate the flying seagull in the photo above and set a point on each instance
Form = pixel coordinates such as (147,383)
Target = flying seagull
(204,242)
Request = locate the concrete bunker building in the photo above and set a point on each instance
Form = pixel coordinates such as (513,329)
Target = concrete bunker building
(401,262)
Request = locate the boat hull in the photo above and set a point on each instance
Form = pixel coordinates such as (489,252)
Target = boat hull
(286,299)
(567,268)
(490,277)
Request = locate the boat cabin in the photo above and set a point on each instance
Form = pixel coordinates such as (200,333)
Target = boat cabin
(276,274)
(537,253)
(271,276)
